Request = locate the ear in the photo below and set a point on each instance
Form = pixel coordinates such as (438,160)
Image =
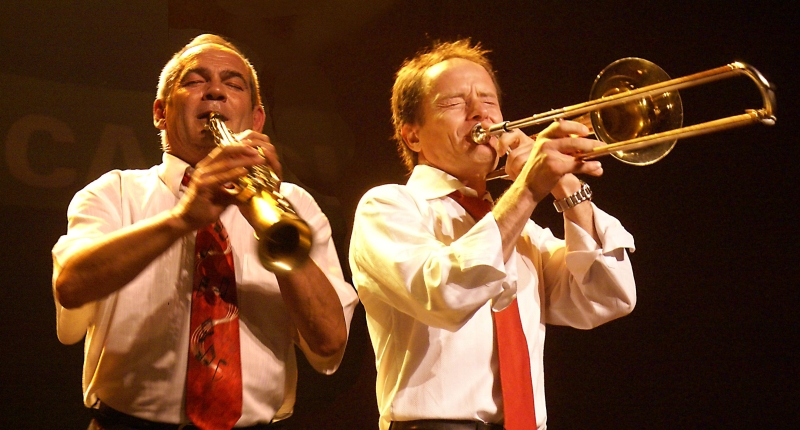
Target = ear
(159,114)
(259,117)
(410,134)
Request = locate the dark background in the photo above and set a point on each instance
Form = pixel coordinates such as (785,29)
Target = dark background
(713,340)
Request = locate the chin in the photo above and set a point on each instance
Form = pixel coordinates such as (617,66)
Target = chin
(488,160)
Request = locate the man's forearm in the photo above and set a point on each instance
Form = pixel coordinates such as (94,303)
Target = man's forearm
(315,308)
(512,212)
(116,259)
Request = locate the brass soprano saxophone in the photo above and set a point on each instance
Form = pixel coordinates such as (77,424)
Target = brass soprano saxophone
(284,239)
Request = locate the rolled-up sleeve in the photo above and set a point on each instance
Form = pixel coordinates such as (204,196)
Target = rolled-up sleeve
(92,213)
(585,283)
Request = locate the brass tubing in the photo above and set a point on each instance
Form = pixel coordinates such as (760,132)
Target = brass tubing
(284,239)
(765,115)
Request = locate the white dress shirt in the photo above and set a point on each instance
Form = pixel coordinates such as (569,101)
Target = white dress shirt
(137,338)
(429,277)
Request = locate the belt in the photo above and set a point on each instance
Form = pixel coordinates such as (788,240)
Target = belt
(443,425)
(112,419)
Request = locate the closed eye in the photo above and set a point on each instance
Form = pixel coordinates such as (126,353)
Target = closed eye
(192,82)
(489,100)
(451,102)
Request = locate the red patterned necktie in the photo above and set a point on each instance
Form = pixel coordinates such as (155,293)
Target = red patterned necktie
(214,380)
(512,347)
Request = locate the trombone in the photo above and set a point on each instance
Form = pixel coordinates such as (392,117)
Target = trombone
(636,110)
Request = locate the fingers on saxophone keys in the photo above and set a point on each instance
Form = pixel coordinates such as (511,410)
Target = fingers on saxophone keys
(243,153)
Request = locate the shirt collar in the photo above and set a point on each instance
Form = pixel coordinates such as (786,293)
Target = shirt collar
(171,172)
(432,183)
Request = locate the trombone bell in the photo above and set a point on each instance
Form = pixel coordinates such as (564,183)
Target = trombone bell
(639,117)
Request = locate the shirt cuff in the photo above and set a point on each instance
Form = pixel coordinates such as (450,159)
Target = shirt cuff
(611,233)
(582,250)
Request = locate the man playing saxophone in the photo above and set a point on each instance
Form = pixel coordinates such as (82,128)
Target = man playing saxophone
(147,251)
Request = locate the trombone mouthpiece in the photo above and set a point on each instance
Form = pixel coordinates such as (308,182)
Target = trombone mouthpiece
(479,135)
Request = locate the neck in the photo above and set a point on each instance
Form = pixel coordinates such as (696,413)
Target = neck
(191,154)
(477,183)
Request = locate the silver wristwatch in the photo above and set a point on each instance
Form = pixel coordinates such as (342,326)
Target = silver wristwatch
(582,195)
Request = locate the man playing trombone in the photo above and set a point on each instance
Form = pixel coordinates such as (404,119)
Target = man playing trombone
(458,290)
(184,327)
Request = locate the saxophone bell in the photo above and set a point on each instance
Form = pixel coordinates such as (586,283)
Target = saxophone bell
(284,239)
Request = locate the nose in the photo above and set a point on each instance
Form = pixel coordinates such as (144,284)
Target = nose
(215,91)
(478,110)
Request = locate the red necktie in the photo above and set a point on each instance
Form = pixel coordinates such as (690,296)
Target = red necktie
(214,380)
(512,348)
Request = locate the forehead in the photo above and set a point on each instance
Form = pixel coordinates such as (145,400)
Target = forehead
(212,57)
(453,73)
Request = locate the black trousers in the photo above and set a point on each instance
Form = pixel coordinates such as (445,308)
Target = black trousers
(443,425)
(108,418)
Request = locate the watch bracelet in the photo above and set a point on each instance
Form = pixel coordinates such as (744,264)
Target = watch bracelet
(569,202)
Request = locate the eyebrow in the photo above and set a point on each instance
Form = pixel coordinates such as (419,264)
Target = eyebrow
(487,94)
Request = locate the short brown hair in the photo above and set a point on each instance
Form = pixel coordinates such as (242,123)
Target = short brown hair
(410,86)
